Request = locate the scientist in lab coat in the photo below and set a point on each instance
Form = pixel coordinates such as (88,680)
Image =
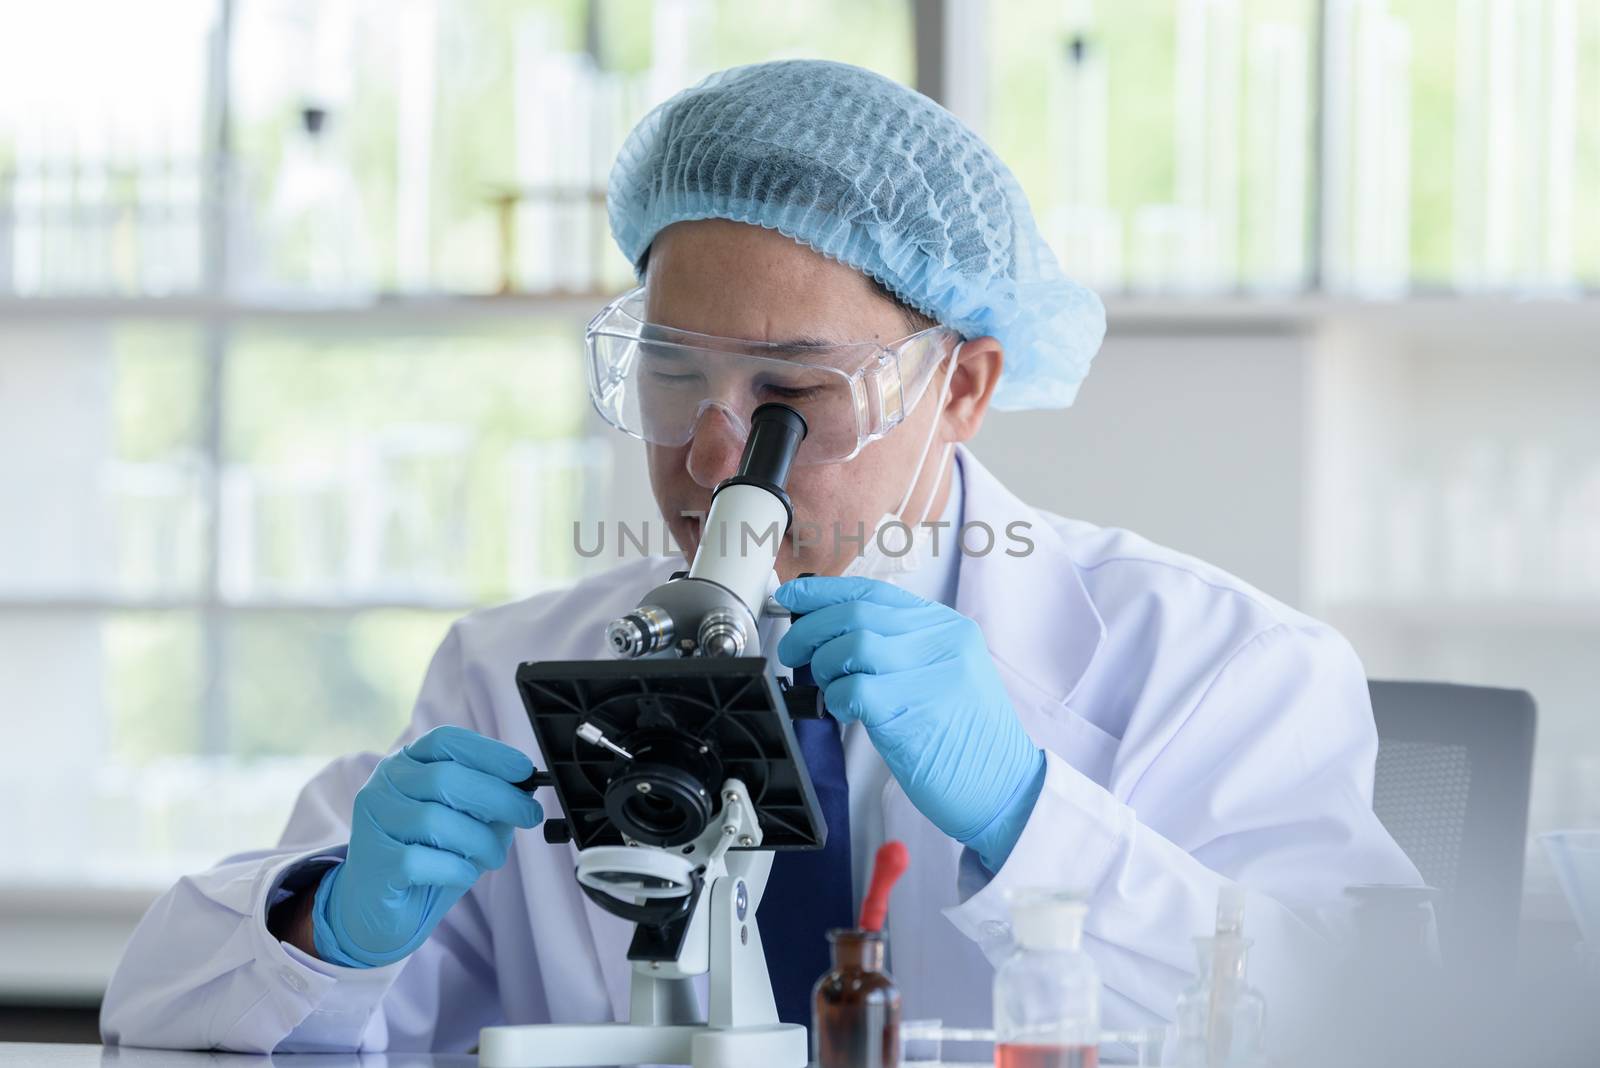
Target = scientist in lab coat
(1025,700)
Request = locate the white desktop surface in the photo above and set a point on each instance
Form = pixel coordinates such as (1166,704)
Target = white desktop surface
(21,1054)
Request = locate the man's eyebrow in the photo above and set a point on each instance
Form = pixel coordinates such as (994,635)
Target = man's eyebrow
(796,344)
(799,342)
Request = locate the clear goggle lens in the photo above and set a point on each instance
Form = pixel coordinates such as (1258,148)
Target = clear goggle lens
(659,384)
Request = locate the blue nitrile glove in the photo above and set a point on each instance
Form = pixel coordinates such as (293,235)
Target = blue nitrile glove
(431,819)
(918,675)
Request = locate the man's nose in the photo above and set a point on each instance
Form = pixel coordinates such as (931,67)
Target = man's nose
(716,447)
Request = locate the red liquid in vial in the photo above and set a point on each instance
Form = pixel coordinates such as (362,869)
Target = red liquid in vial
(1021,1055)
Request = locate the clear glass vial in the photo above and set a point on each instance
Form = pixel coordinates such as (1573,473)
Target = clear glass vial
(1047,992)
(1221,1019)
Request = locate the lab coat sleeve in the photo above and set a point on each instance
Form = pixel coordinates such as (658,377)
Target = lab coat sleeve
(203,972)
(1265,782)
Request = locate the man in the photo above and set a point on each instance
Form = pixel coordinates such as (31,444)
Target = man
(1069,707)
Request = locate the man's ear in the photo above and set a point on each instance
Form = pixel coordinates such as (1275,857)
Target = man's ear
(977,373)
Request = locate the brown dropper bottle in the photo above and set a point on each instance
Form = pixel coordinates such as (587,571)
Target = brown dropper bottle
(855,1007)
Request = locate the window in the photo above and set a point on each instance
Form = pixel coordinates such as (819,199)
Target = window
(1361,146)
(225,580)
(262,435)
(100,177)
(1165,147)
(476,138)
(1462,145)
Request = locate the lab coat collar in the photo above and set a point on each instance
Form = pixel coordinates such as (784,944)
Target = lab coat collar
(1035,613)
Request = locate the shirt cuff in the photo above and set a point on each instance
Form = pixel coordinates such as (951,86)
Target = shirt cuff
(1067,844)
(302,877)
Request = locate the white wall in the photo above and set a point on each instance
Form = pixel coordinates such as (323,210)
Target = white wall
(1194,441)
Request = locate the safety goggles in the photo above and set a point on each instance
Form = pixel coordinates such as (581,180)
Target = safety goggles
(658,383)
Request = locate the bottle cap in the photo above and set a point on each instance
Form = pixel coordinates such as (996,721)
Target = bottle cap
(1048,919)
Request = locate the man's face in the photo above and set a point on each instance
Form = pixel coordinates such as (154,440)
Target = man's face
(733,280)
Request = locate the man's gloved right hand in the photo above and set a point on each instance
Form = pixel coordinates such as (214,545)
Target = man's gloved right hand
(431,819)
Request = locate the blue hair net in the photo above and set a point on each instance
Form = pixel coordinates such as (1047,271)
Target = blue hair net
(879,177)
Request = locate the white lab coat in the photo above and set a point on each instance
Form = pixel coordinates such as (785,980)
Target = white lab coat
(1196,731)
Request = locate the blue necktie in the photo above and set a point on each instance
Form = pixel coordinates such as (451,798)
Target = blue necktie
(809,891)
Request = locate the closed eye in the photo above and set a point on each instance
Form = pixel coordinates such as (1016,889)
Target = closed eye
(795,392)
(670,379)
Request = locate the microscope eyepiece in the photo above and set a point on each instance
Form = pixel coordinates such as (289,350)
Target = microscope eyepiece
(776,431)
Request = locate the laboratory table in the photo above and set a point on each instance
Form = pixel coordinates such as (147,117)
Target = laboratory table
(28,1054)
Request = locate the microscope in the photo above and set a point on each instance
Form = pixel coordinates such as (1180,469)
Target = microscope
(677,771)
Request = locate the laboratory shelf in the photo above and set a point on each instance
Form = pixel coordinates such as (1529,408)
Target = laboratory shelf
(384,307)
(1126,314)
(81,603)
(66,937)
(1434,316)
(1482,613)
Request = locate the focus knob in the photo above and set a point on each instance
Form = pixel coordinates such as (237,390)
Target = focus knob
(535,781)
(721,634)
(643,631)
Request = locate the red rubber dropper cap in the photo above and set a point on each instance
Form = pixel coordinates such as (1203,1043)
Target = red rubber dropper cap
(890,863)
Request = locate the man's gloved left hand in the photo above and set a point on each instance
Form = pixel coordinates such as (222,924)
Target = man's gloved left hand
(918,675)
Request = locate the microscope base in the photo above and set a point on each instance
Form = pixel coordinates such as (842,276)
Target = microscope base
(578,1045)
(737,1027)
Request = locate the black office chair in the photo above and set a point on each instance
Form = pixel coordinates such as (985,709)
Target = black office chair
(1454,763)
